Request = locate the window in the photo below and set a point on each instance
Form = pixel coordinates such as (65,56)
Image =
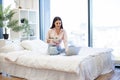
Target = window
(106,24)
(75,19)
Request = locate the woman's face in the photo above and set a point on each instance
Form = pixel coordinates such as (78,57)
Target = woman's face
(58,24)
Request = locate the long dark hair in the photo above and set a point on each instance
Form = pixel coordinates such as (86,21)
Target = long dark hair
(54,20)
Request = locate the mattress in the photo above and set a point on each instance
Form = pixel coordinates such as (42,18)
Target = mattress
(90,68)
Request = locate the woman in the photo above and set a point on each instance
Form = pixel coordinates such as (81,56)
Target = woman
(55,36)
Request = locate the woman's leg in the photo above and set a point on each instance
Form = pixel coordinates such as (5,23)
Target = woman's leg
(60,50)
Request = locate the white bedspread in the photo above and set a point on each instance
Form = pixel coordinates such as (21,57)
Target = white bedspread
(57,62)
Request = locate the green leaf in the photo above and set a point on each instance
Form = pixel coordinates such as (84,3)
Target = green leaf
(12,23)
(17,28)
(7,15)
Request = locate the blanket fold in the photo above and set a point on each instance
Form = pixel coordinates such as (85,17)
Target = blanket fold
(13,56)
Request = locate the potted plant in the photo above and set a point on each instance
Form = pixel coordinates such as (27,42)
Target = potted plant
(26,27)
(6,21)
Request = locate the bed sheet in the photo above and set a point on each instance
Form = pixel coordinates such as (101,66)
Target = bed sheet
(90,68)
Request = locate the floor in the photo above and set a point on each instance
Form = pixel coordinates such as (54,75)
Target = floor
(114,75)
(10,78)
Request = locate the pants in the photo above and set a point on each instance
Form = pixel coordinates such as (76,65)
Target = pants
(55,50)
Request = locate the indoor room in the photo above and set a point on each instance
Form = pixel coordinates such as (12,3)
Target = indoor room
(85,47)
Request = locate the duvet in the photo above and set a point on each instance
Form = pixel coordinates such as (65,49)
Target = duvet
(88,64)
(56,62)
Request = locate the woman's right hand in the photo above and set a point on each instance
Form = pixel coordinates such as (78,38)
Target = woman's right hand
(51,42)
(48,40)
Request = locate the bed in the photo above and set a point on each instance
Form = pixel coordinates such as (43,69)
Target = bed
(33,64)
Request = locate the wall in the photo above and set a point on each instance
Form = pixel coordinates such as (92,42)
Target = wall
(27,4)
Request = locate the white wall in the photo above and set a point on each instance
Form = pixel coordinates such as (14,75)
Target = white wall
(27,4)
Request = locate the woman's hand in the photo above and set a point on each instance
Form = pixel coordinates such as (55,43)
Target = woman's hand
(48,40)
(52,42)
(57,42)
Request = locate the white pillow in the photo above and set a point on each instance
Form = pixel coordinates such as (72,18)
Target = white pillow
(38,46)
(11,47)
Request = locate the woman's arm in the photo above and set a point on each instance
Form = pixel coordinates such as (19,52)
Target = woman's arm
(49,38)
(65,41)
